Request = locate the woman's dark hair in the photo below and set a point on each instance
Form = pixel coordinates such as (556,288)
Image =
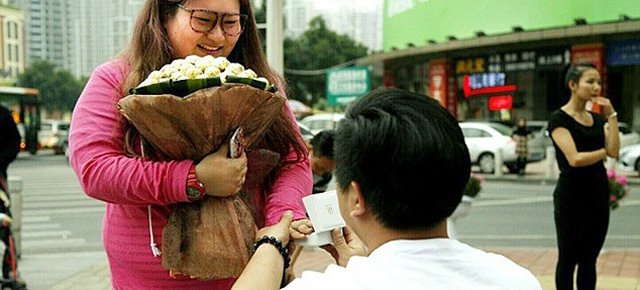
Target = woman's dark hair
(575,71)
(408,155)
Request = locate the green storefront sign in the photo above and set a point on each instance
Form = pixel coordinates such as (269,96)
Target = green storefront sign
(418,21)
(345,85)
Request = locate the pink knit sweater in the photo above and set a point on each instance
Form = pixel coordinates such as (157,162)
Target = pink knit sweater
(128,185)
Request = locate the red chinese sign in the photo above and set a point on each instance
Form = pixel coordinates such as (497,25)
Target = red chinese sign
(438,79)
(498,103)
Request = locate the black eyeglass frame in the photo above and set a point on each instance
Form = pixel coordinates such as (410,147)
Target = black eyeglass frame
(218,15)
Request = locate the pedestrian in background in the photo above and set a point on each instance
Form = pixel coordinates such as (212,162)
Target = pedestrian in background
(9,149)
(321,158)
(168,30)
(582,140)
(521,136)
(402,165)
(9,143)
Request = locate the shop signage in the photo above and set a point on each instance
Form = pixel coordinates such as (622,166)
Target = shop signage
(625,52)
(438,78)
(497,103)
(486,80)
(345,85)
(470,65)
(553,59)
(592,53)
(513,61)
(499,89)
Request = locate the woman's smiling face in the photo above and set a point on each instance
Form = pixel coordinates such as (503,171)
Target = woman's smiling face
(185,41)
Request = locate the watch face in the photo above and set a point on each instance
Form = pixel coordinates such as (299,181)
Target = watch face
(193,193)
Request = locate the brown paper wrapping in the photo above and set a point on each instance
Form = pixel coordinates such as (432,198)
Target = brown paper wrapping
(210,239)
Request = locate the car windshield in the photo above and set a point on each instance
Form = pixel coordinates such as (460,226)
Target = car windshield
(502,129)
(63,127)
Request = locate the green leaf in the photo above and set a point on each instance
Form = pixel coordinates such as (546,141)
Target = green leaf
(182,88)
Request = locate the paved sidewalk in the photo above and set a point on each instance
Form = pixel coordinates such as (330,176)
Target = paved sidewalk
(617,269)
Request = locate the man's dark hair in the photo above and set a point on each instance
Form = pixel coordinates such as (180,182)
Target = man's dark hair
(408,155)
(322,144)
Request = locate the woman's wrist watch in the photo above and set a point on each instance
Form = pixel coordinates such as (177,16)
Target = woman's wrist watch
(195,188)
(614,114)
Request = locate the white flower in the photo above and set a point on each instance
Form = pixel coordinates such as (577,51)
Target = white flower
(234,69)
(190,71)
(175,76)
(205,62)
(167,70)
(155,75)
(192,59)
(178,62)
(212,71)
(221,62)
(249,73)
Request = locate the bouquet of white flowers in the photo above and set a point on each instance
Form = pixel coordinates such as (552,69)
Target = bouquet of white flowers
(186,110)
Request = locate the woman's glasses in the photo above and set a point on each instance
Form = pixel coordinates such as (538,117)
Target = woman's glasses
(203,21)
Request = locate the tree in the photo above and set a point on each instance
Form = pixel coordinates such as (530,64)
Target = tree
(59,89)
(318,48)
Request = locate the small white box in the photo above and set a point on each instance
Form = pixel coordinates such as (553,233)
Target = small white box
(324,213)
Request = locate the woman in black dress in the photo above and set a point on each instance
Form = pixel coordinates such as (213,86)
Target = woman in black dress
(582,140)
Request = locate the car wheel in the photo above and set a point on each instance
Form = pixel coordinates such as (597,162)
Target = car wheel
(637,166)
(513,168)
(486,163)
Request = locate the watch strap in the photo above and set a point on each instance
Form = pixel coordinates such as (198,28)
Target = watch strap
(195,188)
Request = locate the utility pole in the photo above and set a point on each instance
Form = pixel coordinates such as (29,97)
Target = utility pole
(275,40)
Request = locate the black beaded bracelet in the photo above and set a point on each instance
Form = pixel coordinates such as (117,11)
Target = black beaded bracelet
(276,243)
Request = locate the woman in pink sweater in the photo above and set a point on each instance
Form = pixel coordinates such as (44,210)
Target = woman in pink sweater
(139,192)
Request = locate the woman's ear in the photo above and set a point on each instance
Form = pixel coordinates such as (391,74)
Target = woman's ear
(573,85)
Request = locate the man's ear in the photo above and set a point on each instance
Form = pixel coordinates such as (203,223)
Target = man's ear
(356,200)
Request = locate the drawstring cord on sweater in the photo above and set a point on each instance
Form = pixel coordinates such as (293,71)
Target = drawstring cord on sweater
(154,247)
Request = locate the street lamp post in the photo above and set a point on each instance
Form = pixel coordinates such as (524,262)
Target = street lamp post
(275,51)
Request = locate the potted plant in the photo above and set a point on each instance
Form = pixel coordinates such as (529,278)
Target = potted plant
(618,188)
(471,191)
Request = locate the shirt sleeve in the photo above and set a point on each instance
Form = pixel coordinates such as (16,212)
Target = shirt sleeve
(555,121)
(96,142)
(293,182)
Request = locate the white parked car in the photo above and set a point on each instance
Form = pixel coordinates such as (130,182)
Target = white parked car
(628,136)
(630,158)
(484,140)
(53,134)
(324,121)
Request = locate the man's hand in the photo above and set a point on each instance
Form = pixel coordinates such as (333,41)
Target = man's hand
(300,228)
(345,245)
(279,230)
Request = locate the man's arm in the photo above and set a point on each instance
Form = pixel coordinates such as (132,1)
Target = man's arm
(266,267)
